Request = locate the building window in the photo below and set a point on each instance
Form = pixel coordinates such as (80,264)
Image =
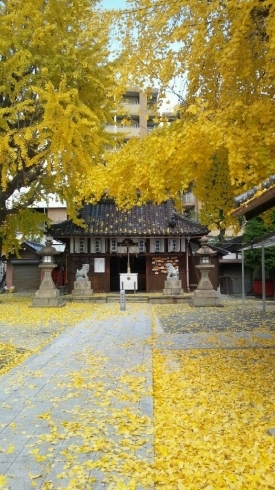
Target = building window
(141,246)
(157,245)
(97,245)
(113,245)
(131,100)
(189,197)
(81,245)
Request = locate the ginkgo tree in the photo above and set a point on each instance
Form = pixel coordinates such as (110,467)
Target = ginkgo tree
(215,193)
(56,95)
(224,53)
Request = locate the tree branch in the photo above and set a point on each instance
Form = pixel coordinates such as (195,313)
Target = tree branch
(23,178)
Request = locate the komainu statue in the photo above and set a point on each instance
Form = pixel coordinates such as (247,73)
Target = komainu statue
(172,271)
(82,274)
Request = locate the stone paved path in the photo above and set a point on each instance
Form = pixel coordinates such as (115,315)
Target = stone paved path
(82,407)
(66,397)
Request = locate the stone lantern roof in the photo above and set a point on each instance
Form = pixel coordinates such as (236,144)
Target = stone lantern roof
(205,249)
(48,249)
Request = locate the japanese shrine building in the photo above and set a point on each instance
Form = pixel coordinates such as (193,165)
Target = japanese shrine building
(149,236)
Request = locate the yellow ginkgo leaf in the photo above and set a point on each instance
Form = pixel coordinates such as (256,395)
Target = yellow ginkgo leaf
(11,449)
(3,480)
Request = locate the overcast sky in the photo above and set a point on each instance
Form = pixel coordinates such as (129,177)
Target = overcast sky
(113,4)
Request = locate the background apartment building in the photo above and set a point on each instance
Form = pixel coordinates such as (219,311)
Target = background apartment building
(136,114)
(190,205)
(136,117)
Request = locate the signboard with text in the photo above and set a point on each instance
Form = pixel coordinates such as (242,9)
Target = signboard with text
(99,264)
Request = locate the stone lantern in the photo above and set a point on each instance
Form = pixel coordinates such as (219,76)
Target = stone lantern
(48,252)
(205,295)
(48,295)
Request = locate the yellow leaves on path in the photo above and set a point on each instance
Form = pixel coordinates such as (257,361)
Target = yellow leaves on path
(3,482)
(10,449)
(212,412)
(10,356)
(102,435)
(119,485)
(24,329)
(212,408)
(16,311)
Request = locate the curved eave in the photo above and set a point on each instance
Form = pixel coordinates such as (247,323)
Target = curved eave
(105,219)
(257,205)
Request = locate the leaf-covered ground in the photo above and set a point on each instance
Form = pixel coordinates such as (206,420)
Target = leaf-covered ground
(11,356)
(233,316)
(212,407)
(100,442)
(212,410)
(24,329)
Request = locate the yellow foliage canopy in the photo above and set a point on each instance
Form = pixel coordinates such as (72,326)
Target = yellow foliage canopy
(224,52)
(55,75)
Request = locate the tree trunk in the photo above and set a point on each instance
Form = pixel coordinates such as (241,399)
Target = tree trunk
(2,221)
(1,239)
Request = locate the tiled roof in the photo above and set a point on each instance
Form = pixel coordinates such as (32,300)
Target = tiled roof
(232,245)
(36,247)
(242,198)
(255,201)
(105,219)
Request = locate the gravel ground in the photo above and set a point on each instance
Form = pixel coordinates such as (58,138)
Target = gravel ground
(233,316)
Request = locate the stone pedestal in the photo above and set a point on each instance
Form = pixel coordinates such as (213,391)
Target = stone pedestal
(47,295)
(172,287)
(205,295)
(82,289)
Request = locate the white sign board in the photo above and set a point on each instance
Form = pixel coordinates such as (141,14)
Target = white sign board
(129,281)
(99,264)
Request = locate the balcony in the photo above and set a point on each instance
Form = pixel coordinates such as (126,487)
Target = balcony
(189,200)
(130,108)
(130,131)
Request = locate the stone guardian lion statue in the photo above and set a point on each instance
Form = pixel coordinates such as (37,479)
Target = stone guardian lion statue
(172,272)
(82,274)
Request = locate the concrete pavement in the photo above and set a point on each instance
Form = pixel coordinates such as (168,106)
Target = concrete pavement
(76,413)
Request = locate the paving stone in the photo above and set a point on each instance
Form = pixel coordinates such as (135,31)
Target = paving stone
(30,394)
(41,385)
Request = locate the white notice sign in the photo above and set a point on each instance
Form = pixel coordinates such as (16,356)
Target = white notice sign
(99,265)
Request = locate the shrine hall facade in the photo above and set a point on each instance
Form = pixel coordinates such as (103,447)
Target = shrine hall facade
(143,238)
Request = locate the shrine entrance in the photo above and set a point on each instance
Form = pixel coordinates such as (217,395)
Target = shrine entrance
(118,265)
